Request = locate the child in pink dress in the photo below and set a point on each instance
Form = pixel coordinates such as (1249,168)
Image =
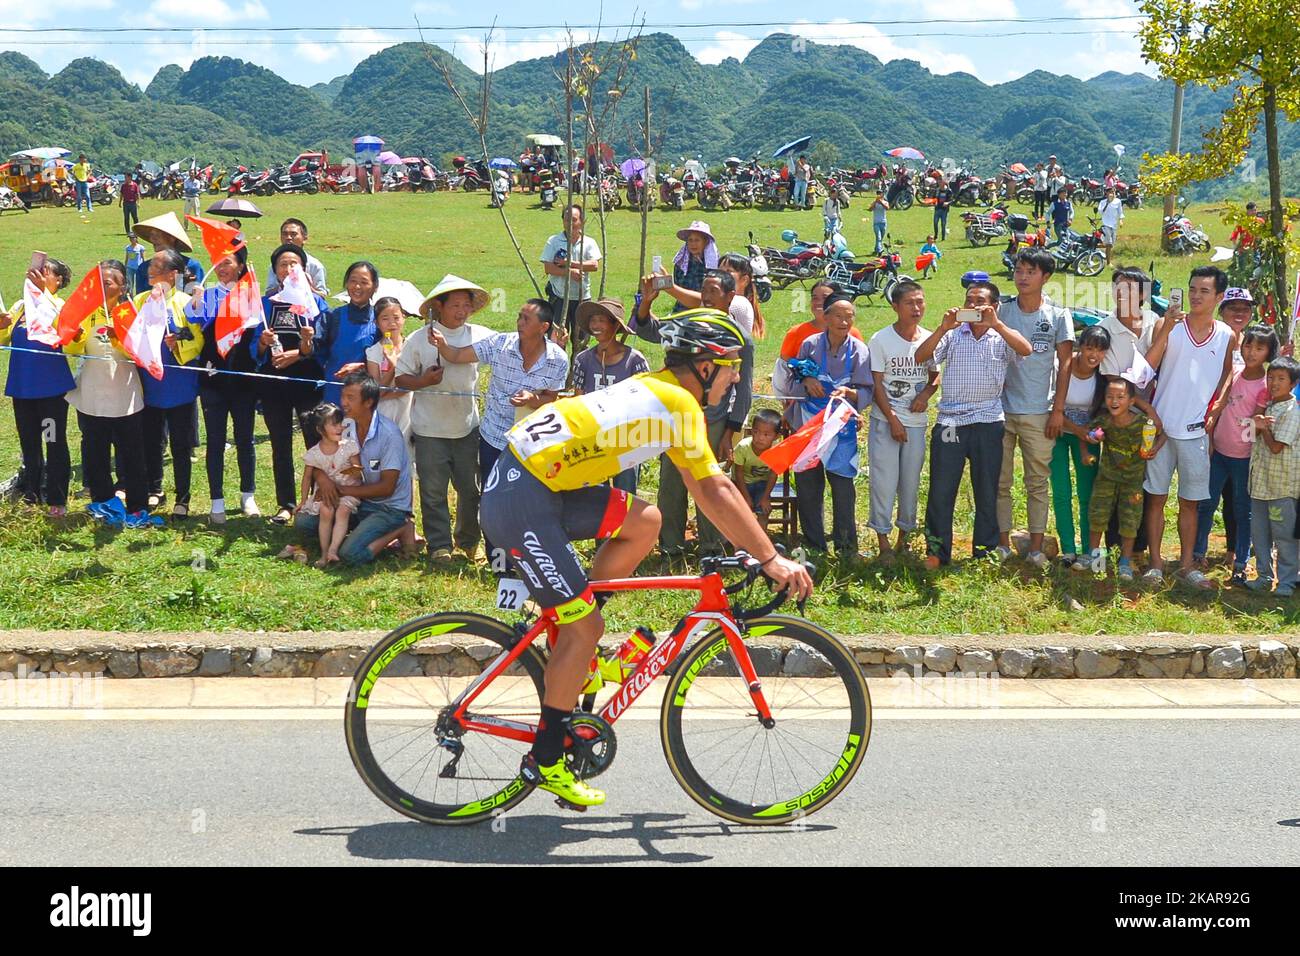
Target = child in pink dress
(338,458)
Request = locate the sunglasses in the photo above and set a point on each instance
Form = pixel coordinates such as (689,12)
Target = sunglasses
(726,363)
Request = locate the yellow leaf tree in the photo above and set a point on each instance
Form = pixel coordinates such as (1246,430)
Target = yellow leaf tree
(1254,47)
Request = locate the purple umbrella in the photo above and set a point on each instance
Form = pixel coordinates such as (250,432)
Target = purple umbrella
(389,158)
(631,168)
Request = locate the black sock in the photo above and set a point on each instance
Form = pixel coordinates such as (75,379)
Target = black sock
(549,745)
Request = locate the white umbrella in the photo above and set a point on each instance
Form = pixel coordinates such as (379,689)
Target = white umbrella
(44,152)
(544,139)
(401,290)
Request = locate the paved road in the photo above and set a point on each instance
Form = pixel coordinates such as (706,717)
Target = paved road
(1065,791)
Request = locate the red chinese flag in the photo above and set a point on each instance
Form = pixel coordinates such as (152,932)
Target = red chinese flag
(241,308)
(85,299)
(123,316)
(219,239)
(781,456)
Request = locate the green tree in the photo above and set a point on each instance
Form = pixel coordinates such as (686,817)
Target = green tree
(824,154)
(1253,46)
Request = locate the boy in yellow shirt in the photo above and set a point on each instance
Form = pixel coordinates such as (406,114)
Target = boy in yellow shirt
(754,479)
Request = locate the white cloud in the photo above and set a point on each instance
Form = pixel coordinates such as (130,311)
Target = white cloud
(724,45)
(970,9)
(314,52)
(365,43)
(169,12)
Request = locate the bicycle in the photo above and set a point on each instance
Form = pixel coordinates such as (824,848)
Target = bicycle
(792,718)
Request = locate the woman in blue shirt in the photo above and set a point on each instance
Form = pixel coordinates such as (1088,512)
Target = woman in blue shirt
(286,346)
(349,330)
(37,382)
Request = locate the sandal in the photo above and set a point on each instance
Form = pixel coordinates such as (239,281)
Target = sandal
(1194,578)
(153,501)
(283,516)
(180,510)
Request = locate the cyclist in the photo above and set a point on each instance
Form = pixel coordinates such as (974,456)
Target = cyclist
(548,489)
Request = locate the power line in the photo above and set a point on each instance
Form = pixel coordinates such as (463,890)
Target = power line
(554,42)
(349,28)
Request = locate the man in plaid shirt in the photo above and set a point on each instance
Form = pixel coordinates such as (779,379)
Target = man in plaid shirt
(974,357)
(1275,482)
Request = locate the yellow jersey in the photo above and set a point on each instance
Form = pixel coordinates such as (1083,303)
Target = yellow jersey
(586,440)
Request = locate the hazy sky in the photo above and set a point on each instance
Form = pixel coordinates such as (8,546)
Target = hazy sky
(983,44)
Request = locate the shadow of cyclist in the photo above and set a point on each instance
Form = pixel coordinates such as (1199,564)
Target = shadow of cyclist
(544,839)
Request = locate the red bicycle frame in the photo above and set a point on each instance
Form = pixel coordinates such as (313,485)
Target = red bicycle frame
(712,609)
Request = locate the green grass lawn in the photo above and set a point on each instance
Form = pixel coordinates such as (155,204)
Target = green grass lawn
(189,576)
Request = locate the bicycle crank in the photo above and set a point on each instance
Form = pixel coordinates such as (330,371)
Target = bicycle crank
(593,745)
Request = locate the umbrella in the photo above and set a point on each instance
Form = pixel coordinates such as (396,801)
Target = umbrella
(793,146)
(367,141)
(411,159)
(234,207)
(632,167)
(905,152)
(389,158)
(44,152)
(52,163)
(544,139)
(503,162)
(404,292)
(733,161)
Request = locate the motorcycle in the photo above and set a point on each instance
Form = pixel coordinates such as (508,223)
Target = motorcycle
(242,180)
(901,193)
(672,192)
(877,275)
(347,183)
(714,195)
(967,188)
(474,175)
(758,265)
(103,190)
(862,180)
(1129,194)
(1183,238)
(546,187)
(981,228)
(501,188)
(610,196)
(1021,238)
(279,180)
(802,261)
(741,192)
(11,200)
(1091,258)
(636,187)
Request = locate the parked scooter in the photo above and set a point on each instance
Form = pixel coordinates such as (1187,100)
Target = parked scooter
(1183,238)
(501,188)
(672,192)
(474,175)
(878,275)
(280,180)
(983,227)
(715,195)
(758,265)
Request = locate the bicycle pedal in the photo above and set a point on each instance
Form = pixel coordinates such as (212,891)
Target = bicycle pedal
(566,805)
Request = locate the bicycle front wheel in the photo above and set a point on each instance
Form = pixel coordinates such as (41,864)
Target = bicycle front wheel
(403,740)
(734,766)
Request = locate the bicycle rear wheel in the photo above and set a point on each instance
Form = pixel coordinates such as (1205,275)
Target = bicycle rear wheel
(734,766)
(400,735)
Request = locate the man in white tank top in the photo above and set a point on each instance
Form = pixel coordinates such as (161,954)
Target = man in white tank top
(1193,353)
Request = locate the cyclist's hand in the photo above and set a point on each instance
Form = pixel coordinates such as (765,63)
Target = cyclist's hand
(789,576)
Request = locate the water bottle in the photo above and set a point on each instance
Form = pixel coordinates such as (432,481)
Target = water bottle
(1148,438)
(618,667)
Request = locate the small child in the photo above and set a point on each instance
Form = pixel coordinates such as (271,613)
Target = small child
(381,363)
(1084,393)
(1123,432)
(1275,482)
(134,257)
(1245,397)
(338,458)
(754,479)
(930,247)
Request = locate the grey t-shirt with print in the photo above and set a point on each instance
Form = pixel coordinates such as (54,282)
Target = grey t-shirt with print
(1031,383)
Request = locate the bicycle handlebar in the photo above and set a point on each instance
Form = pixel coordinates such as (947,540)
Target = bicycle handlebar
(743,561)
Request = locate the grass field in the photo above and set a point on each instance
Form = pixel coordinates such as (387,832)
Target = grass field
(71,574)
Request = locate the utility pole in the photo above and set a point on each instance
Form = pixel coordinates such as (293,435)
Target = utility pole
(1176,132)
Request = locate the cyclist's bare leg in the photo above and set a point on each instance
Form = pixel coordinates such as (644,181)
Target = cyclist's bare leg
(619,556)
(567,670)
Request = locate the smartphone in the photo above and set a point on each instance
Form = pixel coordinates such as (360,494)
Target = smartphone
(968,315)
(38,261)
(1176,299)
